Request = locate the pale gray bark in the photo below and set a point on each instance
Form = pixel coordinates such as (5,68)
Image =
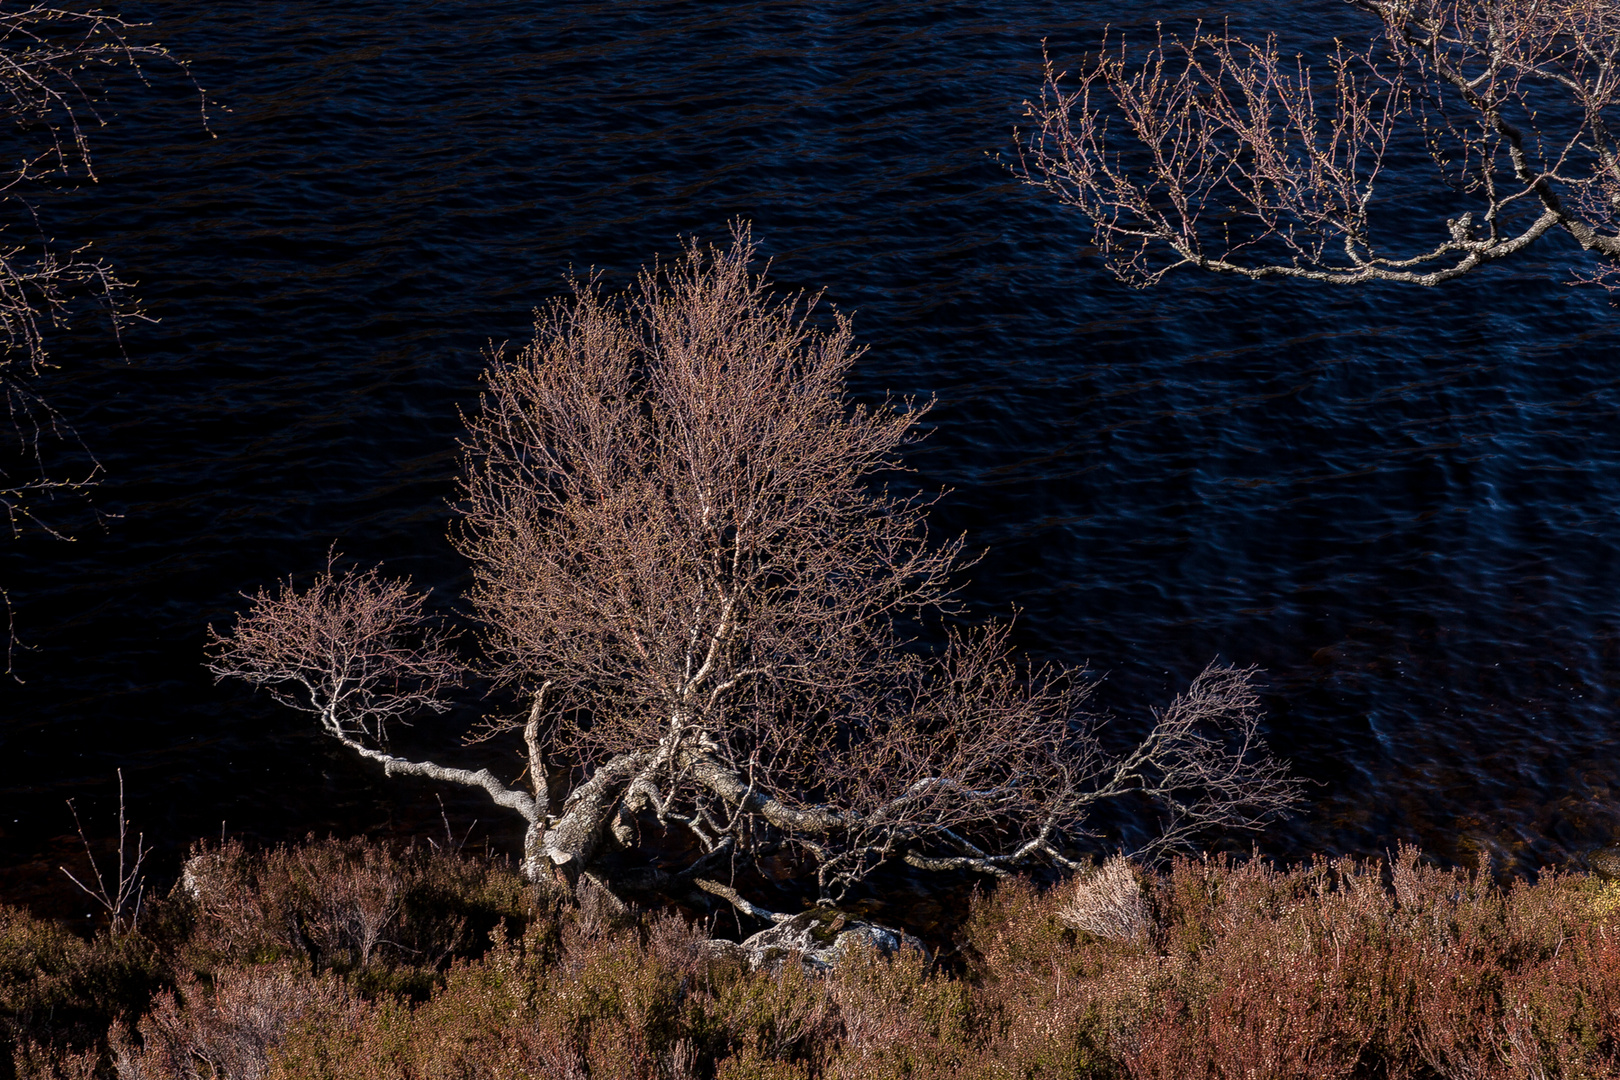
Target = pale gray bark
(572,841)
(502,796)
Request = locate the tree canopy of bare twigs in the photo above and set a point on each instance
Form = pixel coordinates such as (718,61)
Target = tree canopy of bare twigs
(688,569)
(1219,152)
(52,62)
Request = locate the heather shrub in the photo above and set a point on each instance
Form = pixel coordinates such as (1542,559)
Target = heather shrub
(593,994)
(1319,971)
(898,1018)
(34,1061)
(59,992)
(1528,984)
(388,921)
(230,1028)
(769,1025)
(751,1065)
(392,918)
(1237,969)
(1604,900)
(1047,1000)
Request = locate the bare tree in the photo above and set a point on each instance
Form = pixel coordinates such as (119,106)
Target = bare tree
(687,567)
(1218,152)
(52,62)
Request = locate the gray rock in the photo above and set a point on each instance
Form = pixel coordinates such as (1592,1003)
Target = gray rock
(721,949)
(817,938)
(1605,863)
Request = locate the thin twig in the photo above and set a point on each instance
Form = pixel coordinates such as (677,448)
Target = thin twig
(123,903)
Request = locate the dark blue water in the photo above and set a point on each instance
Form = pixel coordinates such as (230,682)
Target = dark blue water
(1405,505)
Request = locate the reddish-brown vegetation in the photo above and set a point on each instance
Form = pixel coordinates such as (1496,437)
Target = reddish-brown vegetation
(1237,970)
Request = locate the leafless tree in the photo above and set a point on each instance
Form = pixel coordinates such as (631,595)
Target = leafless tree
(1219,152)
(686,565)
(53,59)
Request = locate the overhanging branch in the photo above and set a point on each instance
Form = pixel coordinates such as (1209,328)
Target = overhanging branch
(501,794)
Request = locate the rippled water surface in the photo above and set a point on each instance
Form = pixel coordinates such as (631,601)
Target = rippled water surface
(1403,504)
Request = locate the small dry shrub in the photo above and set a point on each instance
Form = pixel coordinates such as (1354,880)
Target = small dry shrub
(1108,903)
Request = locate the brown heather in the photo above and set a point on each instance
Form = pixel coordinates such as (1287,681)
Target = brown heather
(349,961)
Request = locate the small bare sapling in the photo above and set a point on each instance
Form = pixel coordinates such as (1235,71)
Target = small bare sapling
(121,900)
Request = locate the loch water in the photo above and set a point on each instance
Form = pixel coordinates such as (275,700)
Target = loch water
(1403,504)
